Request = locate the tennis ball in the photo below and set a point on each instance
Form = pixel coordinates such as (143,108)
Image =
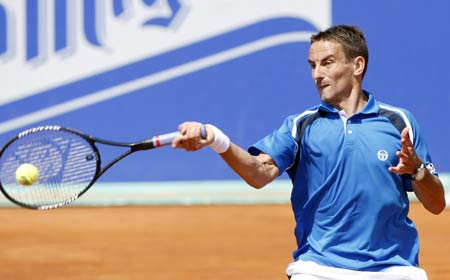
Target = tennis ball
(27,174)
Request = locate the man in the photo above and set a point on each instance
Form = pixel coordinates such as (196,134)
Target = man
(351,160)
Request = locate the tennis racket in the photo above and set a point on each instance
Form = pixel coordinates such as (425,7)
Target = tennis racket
(68,164)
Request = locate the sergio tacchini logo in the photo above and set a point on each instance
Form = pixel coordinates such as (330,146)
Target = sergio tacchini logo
(382,155)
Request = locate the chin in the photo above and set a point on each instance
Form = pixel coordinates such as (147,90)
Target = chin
(324,96)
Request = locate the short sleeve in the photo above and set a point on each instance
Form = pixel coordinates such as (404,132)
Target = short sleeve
(279,145)
(420,147)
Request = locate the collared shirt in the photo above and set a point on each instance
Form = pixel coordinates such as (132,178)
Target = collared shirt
(351,211)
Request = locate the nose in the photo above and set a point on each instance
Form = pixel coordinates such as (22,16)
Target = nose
(317,73)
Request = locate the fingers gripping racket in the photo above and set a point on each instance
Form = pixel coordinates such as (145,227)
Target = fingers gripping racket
(66,162)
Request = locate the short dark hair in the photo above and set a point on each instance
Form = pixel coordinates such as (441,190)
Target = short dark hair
(351,38)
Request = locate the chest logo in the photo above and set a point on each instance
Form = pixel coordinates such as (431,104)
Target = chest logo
(382,155)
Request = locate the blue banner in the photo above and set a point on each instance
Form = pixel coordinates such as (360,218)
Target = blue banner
(128,70)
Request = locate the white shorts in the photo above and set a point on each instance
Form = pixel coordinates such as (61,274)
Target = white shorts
(303,270)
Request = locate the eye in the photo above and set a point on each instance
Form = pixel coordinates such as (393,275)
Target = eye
(328,62)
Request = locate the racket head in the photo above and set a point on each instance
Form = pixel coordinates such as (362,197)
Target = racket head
(67,161)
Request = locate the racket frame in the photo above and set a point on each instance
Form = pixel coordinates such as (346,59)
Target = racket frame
(151,143)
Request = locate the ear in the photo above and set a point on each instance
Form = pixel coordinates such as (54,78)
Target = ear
(359,65)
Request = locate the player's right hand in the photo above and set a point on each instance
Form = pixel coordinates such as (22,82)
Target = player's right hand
(190,136)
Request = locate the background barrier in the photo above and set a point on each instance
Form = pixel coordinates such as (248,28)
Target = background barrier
(222,192)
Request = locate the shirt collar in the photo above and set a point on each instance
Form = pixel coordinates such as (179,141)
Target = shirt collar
(371,106)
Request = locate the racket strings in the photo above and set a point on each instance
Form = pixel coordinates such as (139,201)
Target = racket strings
(66,162)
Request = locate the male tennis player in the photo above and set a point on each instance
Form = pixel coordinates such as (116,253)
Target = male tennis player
(352,160)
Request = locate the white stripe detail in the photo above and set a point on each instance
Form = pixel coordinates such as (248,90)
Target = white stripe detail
(154,79)
(403,116)
(294,127)
(294,132)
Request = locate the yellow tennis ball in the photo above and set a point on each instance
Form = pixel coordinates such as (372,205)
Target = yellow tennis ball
(27,174)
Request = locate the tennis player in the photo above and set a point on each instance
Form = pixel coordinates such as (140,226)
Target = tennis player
(352,160)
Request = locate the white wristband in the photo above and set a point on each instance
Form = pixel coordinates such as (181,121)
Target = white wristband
(221,142)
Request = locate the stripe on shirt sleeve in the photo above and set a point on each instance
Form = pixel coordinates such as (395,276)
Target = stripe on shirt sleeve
(297,120)
(403,116)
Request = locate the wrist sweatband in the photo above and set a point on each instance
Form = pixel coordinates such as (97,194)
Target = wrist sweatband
(221,142)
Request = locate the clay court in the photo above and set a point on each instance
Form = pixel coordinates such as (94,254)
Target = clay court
(172,242)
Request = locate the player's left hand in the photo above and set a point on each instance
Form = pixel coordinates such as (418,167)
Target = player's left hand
(409,160)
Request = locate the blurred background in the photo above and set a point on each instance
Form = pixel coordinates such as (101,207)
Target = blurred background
(127,70)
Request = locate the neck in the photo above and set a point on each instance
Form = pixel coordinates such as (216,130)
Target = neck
(353,103)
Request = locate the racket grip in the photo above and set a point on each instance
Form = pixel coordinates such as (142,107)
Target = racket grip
(166,139)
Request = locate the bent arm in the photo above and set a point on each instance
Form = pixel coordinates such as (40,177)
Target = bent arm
(257,171)
(429,190)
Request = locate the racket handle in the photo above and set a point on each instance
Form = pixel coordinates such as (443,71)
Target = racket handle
(166,139)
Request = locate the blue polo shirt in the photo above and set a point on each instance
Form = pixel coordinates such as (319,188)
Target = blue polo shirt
(351,211)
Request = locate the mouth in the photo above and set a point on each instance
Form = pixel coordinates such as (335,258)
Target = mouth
(322,86)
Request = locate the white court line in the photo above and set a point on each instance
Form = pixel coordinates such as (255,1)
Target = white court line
(154,79)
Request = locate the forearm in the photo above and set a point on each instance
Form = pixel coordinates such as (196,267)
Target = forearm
(257,171)
(430,193)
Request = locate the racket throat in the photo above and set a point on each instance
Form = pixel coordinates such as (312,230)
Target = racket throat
(145,145)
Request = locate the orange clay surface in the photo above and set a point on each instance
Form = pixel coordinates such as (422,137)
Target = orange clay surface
(172,242)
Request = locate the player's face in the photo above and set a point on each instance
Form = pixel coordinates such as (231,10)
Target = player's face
(332,74)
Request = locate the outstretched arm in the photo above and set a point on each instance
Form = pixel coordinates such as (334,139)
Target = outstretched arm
(257,171)
(429,190)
